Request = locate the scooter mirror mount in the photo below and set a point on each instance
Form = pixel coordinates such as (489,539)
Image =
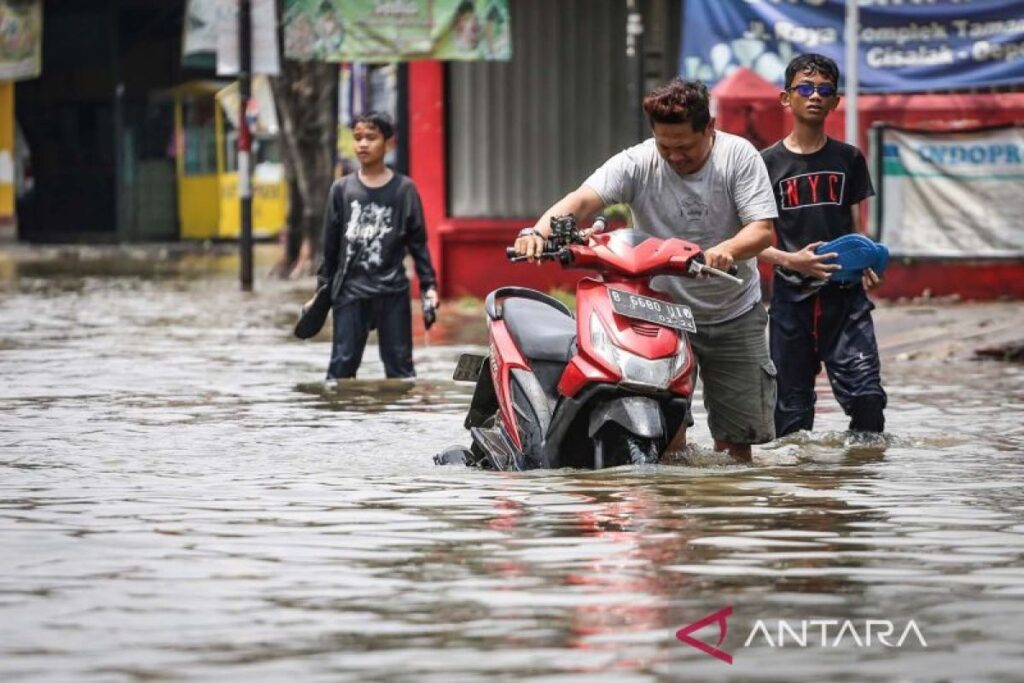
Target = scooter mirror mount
(564,232)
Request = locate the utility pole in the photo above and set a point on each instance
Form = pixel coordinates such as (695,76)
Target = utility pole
(852,31)
(245,141)
(635,66)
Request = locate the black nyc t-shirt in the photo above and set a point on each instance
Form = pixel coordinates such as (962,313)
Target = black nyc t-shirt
(814,193)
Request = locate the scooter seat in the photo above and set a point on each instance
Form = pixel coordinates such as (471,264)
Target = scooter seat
(540,331)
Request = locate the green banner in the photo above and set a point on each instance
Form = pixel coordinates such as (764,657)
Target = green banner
(21,33)
(397,30)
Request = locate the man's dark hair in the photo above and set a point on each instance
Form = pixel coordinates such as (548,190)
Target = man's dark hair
(810,64)
(679,101)
(378,120)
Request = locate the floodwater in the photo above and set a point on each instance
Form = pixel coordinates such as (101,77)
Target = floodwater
(182,498)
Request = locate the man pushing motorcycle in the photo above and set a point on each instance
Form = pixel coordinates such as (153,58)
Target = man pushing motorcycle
(710,188)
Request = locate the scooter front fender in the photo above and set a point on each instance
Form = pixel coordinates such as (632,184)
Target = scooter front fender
(639,415)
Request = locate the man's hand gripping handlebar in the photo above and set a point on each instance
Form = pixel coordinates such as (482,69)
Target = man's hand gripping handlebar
(532,246)
(700,269)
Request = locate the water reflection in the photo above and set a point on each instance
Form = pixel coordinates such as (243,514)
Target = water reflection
(182,497)
(384,395)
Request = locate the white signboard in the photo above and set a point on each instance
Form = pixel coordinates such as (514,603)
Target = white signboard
(953,194)
(211,26)
(265,58)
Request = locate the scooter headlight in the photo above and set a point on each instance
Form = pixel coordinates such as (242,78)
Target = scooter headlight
(681,357)
(601,342)
(634,369)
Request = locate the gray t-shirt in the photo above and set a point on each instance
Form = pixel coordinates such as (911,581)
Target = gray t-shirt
(706,208)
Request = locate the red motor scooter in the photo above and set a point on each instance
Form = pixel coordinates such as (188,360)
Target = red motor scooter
(607,386)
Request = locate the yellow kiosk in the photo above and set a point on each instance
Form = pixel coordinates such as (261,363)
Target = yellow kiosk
(206,134)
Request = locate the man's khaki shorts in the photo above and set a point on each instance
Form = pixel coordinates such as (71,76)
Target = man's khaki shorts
(738,376)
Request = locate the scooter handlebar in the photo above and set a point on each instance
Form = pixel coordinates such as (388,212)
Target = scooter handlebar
(698,268)
(515,257)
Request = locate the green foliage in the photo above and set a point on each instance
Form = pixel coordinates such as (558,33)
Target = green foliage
(565,296)
(468,303)
(619,212)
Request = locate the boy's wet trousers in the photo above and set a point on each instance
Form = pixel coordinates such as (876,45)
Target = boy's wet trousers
(391,316)
(832,328)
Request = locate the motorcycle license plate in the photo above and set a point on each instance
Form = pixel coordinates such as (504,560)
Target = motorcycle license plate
(640,307)
(469,367)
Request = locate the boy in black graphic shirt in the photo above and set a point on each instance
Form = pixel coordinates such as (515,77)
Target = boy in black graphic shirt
(373,217)
(818,182)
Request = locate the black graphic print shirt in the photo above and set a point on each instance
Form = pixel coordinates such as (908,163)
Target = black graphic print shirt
(814,194)
(367,232)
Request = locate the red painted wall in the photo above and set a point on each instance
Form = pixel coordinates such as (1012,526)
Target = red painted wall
(978,280)
(475,263)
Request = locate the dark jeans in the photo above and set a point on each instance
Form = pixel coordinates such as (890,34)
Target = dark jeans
(833,327)
(391,316)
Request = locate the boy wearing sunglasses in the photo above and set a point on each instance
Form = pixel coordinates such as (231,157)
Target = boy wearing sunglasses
(818,182)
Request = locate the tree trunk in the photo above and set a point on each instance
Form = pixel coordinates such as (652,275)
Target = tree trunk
(306,94)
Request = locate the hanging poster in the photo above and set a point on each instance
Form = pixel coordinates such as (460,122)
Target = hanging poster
(263,18)
(21,39)
(397,30)
(211,36)
(201,20)
(953,194)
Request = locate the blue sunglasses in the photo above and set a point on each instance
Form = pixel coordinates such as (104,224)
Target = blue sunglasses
(807,89)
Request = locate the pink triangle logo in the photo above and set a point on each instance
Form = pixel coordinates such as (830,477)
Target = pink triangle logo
(720,617)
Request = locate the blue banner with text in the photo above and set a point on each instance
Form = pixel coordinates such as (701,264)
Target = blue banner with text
(904,45)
